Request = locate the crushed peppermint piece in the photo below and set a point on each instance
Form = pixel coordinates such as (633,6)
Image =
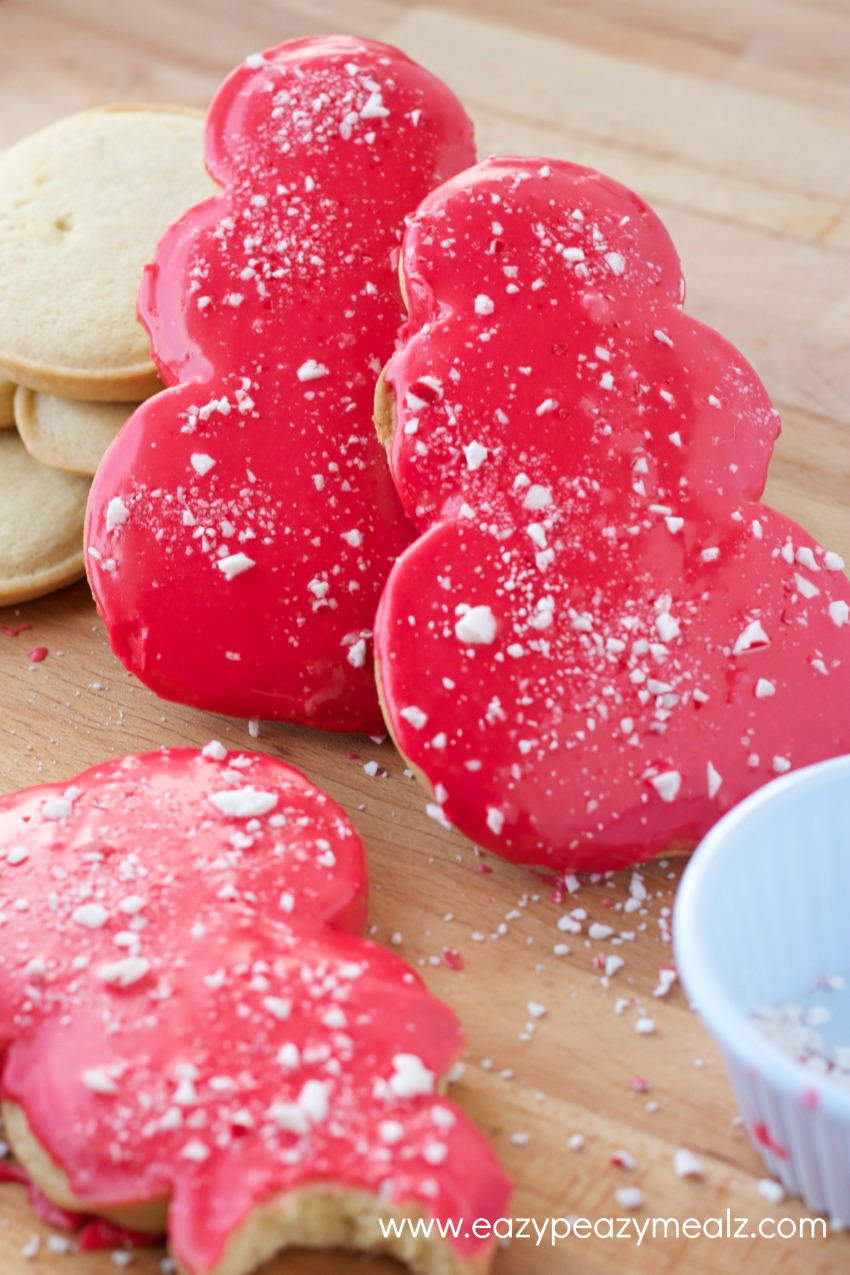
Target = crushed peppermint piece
(92,916)
(715,779)
(117,513)
(411,1077)
(475,455)
(495,820)
(312,370)
(244,803)
(686,1164)
(124,973)
(484,304)
(629,1197)
(235,564)
(477,626)
(771,1191)
(667,784)
(201,462)
(753,638)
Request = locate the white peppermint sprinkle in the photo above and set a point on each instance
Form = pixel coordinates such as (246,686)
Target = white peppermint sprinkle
(201,463)
(477,626)
(662,336)
(255,61)
(235,564)
(374,108)
(124,973)
(781,764)
(536,1010)
(415,716)
(764,688)
(411,1077)
(90,915)
(495,820)
(475,455)
(353,538)
(537,497)
(667,784)
(289,1055)
(674,524)
(833,561)
(616,261)
(56,808)
(575,1142)
(667,627)
(629,1197)
(278,1007)
(16,855)
(311,370)
(666,978)
(805,587)
(686,1164)
(117,513)
(99,1081)
(771,1191)
(357,653)
(715,779)
(710,555)
(596,930)
(645,1026)
(214,750)
(839,613)
(314,1100)
(244,803)
(548,405)
(752,638)
(484,304)
(196,1151)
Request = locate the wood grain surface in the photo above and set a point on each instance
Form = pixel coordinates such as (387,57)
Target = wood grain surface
(731,118)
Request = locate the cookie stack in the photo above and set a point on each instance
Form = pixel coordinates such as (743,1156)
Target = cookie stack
(82,206)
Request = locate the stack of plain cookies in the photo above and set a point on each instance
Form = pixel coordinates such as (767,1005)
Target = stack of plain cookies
(82,206)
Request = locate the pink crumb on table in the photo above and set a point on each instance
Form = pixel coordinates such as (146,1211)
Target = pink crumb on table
(38,654)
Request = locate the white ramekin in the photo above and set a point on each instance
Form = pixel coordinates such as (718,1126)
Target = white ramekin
(763,913)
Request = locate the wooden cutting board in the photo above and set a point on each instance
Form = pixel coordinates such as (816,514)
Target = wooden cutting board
(731,117)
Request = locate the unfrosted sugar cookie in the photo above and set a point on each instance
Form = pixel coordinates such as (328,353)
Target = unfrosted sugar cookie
(602,640)
(241,529)
(67,433)
(82,205)
(41,524)
(195,1036)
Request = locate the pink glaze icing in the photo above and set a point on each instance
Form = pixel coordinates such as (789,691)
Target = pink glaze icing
(602,640)
(187,1007)
(241,528)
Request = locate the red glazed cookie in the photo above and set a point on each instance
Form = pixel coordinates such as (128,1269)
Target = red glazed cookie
(191,1025)
(602,641)
(241,529)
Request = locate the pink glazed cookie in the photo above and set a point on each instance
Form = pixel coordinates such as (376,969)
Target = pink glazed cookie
(196,1038)
(241,528)
(602,640)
